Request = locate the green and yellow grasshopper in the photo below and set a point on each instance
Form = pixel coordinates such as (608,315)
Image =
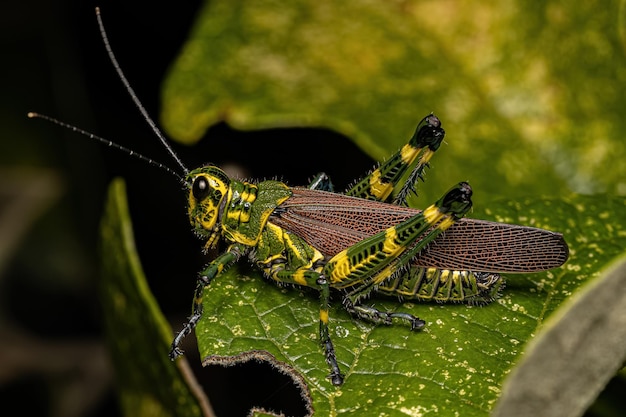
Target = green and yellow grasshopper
(362,241)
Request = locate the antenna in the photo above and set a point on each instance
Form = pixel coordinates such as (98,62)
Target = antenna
(135,99)
(107,142)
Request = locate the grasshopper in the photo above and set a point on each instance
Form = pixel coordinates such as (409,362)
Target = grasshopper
(362,241)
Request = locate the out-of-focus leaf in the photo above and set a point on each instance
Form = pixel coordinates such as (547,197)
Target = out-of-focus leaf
(531,95)
(25,195)
(149,384)
(579,350)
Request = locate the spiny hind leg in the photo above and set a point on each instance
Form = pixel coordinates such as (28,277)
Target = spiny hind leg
(381,183)
(376,259)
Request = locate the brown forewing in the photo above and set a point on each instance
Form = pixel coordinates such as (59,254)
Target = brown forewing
(332,222)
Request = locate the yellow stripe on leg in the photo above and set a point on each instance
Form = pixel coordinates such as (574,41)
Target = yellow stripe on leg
(324,316)
(432,214)
(380,190)
(446,223)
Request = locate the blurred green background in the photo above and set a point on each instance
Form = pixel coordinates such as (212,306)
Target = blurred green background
(531,98)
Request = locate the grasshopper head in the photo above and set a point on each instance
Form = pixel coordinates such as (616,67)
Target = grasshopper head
(207,187)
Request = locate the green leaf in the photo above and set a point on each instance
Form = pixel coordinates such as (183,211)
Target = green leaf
(149,383)
(456,365)
(529,93)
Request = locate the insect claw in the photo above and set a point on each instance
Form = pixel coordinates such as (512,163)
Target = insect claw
(417,324)
(175,353)
(336,379)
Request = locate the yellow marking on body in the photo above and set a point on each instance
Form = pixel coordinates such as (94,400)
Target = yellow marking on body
(241,238)
(273,233)
(247,196)
(250,198)
(379,189)
(191,204)
(233,214)
(316,259)
(238,212)
(270,260)
(294,249)
(432,214)
(299,279)
(207,224)
(324,316)
(238,236)
(244,216)
(444,276)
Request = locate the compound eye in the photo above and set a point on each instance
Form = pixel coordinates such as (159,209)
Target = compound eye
(200,188)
